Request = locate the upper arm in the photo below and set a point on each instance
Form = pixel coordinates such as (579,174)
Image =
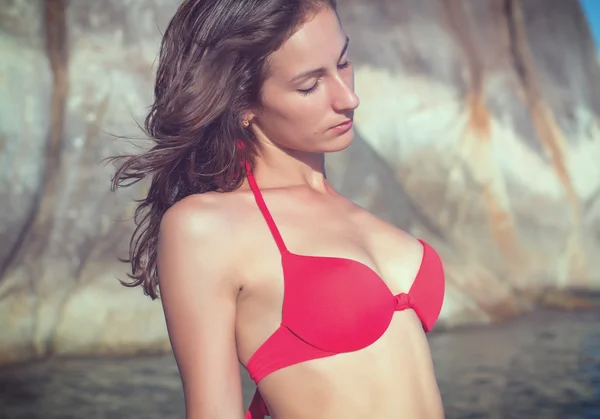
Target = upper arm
(199,301)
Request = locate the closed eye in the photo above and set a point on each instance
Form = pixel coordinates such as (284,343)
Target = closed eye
(314,87)
(344,65)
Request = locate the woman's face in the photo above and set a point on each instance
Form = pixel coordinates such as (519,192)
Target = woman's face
(309,91)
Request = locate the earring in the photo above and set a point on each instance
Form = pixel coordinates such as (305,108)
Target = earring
(245,123)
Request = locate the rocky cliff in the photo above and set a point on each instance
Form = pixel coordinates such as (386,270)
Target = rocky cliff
(478,130)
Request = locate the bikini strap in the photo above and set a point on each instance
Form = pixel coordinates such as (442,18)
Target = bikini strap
(264,210)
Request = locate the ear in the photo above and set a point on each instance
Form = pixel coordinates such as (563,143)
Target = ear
(248,116)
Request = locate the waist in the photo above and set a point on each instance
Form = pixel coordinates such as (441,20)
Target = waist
(396,373)
(354,394)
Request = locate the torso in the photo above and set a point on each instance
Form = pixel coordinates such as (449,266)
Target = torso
(392,376)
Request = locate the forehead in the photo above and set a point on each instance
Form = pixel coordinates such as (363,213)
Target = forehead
(317,43)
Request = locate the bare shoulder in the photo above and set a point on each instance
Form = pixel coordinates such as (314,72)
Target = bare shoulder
(200,215)
(201,228)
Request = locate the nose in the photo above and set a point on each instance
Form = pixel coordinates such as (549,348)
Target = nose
(344,99)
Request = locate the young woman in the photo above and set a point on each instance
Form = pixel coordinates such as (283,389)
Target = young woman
(257,258)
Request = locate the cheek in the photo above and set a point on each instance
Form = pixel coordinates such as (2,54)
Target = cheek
(298,121)
(309,114)
(294,116)
(301,112)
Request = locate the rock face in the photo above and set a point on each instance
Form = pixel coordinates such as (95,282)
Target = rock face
(478,131)
(64,227)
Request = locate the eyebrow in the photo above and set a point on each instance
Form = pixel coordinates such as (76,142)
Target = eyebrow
(318,71)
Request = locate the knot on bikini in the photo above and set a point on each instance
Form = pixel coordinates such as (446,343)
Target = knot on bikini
(403,301)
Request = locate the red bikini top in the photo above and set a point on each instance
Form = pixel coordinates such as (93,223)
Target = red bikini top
(334,305)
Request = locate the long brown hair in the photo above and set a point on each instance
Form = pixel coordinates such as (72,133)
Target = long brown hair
(212,63)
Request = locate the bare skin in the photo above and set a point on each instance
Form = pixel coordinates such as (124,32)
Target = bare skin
(220,270)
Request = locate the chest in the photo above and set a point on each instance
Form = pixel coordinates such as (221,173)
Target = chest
(329,264)
(318,234)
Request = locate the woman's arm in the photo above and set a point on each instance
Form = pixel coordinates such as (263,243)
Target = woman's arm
(199,301)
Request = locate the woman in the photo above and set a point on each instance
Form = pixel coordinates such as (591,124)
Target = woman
(249,96)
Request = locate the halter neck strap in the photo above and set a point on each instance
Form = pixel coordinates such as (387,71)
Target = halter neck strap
(265,211)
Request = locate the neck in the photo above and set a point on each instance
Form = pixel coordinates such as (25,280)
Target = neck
(279,168)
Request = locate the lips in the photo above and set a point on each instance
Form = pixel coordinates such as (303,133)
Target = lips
(343,124)
(342,128)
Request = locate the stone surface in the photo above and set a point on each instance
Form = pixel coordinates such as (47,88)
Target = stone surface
(478,131)
(59,292)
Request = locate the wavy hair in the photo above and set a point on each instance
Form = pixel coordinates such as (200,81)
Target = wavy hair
(213,60)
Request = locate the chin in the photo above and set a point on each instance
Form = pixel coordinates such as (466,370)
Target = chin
(340,142)
(325,144)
